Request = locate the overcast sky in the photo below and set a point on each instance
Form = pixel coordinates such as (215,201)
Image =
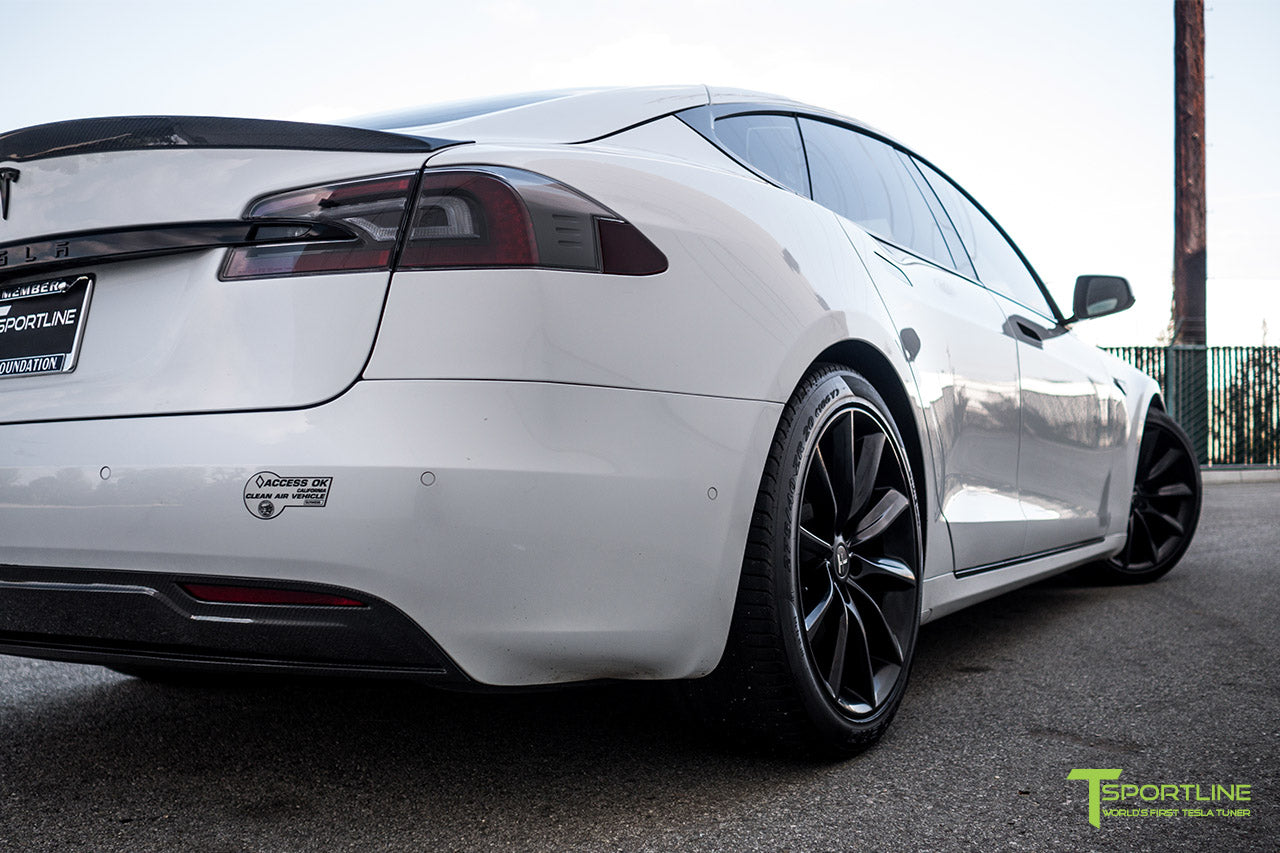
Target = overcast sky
(1058,116)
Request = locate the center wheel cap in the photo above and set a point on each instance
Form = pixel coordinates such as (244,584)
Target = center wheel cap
(842,561)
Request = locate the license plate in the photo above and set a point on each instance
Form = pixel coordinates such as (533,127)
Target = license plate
(41,323)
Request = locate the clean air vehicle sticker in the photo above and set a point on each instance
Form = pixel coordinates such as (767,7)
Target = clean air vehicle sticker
(267,494)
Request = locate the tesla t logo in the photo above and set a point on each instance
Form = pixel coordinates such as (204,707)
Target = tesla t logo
(7,177)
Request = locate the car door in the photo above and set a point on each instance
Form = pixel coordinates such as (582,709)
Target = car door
(952,330)
(1073,426)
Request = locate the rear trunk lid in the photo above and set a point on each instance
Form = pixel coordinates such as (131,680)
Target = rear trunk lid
(113,237)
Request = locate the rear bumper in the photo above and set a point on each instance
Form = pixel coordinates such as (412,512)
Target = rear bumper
(138,619)
(567,532)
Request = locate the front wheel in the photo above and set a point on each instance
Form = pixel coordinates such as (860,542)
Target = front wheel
(1165,507)
(828,608)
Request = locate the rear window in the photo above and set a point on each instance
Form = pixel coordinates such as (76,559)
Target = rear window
(770,143)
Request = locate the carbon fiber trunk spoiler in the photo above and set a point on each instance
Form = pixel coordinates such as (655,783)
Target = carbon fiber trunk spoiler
(132,133)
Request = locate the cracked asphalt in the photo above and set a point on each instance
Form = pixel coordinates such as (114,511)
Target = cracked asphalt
(1174,683)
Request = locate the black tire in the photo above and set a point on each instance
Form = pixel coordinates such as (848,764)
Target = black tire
(1165,507)
(821,642)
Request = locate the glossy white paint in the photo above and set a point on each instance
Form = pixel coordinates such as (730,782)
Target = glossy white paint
(572,118)
(759,283)
(573,422)
(1073,440)
(568,533)
(967,369)
(948,593)
(118,188)
(165,335)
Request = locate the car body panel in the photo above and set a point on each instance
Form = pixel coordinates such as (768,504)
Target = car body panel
(571,117)
(796,287)
(970,369)
(947,593)
(1074,429)
(551,472)
(165,335)
(479,558)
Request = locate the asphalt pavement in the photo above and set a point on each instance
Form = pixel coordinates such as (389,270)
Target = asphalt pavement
(1175,684)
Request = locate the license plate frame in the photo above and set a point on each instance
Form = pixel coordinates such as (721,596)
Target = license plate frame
(42,325)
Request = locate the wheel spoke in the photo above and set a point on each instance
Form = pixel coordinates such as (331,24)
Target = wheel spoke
(814,543)
(813,619)
(864,678)
(880,516)
(886,568)
(1162,466)
(821,465)
(1177,490)
(835,676)
(875,622)
(1141,527)
(1169,521)
(839,440)
(864,475)
(1146,450)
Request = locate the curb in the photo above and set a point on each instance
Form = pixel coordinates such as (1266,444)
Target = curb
(1211,476)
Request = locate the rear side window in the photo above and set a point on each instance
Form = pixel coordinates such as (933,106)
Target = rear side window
(958,252)
(998,264)
(864,180)
(768,143)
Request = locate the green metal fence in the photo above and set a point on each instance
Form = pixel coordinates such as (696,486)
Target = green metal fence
(1226,398)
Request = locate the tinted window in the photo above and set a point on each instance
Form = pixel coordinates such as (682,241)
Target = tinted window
(958,252)
(864,179)
(769,143)
(997,262)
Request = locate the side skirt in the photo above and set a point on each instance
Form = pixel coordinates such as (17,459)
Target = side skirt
(951,592)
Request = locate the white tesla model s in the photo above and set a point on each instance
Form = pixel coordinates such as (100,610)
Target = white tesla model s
(657,383)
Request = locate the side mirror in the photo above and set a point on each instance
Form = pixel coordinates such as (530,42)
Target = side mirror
(1100,295)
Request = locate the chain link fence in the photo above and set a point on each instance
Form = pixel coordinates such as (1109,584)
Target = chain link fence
(1226,398)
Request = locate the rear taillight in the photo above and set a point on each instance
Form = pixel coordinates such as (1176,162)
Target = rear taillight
(469,219)
(475,217)
(370,211)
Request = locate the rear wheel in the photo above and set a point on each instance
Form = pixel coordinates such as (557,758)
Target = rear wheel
(1165,507)
(829,604)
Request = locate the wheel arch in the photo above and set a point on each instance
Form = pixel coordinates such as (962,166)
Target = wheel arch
(879,371)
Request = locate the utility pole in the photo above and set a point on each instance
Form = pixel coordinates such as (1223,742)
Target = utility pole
(1188,367)
(1188,165)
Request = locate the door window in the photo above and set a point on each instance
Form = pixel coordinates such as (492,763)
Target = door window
(998,264)
(864,180)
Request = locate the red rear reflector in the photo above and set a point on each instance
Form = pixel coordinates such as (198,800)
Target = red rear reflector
(625,251)
(262,595)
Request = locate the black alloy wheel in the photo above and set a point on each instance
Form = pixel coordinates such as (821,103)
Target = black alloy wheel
(1166,504)
(855,541)
(828,607)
